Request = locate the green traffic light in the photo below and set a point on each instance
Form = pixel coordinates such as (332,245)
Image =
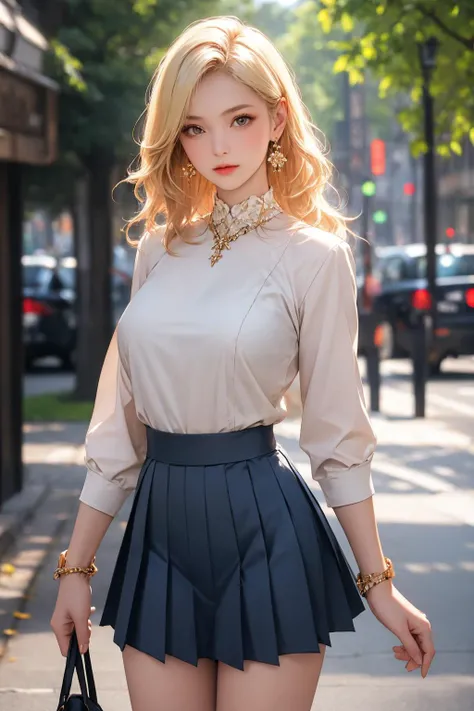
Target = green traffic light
(379,217)
(368,188)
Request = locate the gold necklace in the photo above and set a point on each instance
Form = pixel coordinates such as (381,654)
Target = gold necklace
(222,241)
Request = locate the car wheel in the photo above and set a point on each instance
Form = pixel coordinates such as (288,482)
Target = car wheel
(388,341)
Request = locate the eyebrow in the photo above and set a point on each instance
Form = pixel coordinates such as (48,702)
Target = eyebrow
(224,113)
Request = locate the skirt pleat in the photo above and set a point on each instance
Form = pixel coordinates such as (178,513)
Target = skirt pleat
(230,561)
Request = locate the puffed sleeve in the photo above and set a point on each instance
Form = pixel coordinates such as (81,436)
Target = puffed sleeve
(336,433)
(115,444)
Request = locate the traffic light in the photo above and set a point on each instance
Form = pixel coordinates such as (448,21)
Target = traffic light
(377,156)
(450,232)
(379,217)
(409,189)
(368,188)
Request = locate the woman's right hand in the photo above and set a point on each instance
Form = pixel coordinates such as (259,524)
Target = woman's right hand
(72,611)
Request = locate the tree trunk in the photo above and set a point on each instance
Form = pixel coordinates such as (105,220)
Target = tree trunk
(93,229)
(11,333)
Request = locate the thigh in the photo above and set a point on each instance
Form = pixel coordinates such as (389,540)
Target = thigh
(172,686)
(264,687)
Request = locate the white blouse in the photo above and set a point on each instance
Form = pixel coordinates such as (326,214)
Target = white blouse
(203,349)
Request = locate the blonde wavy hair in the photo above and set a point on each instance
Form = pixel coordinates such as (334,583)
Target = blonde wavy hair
(225,43)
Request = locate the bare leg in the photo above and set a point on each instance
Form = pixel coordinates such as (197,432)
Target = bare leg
(264,687)
(172,686)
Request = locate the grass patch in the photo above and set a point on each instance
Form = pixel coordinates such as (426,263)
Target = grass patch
(56,407)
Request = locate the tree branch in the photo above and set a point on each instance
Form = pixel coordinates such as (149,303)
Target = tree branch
(468,42)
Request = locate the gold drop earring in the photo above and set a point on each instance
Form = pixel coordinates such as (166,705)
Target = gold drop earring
(276,158)
(189,171)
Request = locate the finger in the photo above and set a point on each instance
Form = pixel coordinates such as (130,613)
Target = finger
(93,609)
(411,646)
(405,657)
(400,650)
(411,665)
(83,636)
(427,647)
(63,634)
(402,656)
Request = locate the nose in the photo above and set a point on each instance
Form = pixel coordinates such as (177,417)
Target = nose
(219,144)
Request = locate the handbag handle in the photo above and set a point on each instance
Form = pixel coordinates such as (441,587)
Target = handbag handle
(74,661)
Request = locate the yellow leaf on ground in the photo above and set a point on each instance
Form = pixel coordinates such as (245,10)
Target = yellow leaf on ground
(9,633)
(22,615)
(7,568)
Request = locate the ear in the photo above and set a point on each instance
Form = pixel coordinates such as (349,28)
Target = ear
(279,119)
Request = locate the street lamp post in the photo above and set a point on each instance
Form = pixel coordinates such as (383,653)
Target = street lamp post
(427,52)
(424,331)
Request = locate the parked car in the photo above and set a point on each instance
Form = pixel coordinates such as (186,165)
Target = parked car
(401,272)
(49,303)
(49,323)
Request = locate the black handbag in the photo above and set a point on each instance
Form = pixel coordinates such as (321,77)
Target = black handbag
(87,699)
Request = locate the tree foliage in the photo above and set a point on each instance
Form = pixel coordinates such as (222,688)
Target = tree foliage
(103,56)
(112,50)
(312,55)
(384,36)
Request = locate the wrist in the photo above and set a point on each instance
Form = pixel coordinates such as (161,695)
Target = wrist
(382,589)
(368,581)
(72,559)
(65,567)
(78,577)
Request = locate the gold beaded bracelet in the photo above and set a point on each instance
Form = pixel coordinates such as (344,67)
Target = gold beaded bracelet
(368,580)
(64,569)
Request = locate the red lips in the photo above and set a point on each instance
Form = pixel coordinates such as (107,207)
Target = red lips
(225,169)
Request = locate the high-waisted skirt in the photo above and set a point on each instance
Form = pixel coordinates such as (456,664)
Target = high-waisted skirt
(227,555)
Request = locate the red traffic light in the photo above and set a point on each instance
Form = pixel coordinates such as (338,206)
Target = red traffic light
(409,188)
(450,232)
(377,156)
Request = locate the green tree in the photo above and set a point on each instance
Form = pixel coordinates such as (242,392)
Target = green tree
(103,55)
(312,54)
(385,39)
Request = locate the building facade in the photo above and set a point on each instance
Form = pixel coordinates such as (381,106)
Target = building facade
(28,126)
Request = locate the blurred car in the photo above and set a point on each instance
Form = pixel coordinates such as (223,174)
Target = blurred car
(49,303)
(49,322)
(401,273)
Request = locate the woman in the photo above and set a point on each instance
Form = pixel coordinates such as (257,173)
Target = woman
(229,580)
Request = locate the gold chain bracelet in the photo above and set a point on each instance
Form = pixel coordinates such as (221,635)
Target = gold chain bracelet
(367,581)
(64,569)
(90,571)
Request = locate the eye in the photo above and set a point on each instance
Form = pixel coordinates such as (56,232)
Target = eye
(186,130)
(244,117)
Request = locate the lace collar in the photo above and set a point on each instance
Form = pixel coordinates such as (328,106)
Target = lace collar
(245,213)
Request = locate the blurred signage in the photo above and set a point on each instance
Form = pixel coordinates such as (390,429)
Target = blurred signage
(22,105)
(377,156)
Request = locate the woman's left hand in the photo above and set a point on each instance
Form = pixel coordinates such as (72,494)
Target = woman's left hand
(411,626)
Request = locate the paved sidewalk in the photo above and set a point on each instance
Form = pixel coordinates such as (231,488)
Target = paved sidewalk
(424,501)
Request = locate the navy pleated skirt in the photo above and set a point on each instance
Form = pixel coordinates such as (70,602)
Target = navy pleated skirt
(227,555)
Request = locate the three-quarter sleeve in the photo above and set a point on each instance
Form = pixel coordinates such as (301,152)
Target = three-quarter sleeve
(336,433)
(115,444)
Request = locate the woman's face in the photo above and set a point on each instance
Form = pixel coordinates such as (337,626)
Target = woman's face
(228,124)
